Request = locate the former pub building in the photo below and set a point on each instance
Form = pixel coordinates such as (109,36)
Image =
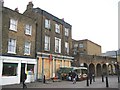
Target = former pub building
(53,42)
(34,41)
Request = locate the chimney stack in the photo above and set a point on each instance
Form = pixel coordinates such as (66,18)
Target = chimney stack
(1,2)
(30,5)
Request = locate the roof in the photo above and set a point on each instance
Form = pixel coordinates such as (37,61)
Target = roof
(50,16)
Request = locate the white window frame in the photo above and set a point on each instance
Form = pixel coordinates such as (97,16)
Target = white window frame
(13,24)
(47,23)
(47,43)
(81,45)
(57,45)
(57,28)
(66,31)
(66,47)
(28,29)
(82,53)
(75,45)
(27,47)
(12,46)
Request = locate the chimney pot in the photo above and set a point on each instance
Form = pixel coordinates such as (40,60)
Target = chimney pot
(16,9)
(30,5)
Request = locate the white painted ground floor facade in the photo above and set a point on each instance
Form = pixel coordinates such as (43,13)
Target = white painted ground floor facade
(11,69)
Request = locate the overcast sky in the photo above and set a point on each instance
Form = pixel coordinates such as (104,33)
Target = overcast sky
(96,20)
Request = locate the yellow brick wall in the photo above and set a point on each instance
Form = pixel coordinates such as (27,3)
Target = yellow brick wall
(67,63)
(93,49)
(49,67)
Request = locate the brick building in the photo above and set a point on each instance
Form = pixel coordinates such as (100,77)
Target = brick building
(85,47)
(88,54)
(18,46)
(53,42)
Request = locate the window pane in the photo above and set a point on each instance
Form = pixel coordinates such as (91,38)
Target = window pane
(28,29)
(66,32)
(13,24)
(30,67)
(47,23)
(11,45)
(47,43)
(9,69)
(27,48)
(57,28)
(66,47)
(57,45)
(81,45)
(75,45)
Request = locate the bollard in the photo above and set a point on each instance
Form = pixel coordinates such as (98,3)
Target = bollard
(87,81)
(107,82)
(44,79)
(102,78)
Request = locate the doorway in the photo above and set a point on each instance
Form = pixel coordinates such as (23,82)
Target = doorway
(22,71)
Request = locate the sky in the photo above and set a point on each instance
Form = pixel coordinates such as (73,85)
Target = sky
(95,20)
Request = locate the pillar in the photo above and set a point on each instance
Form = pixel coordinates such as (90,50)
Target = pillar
(1,68)
(42,69)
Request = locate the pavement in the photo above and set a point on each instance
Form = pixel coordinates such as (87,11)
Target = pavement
(112,81)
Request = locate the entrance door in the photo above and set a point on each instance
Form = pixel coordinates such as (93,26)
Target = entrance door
(22,71)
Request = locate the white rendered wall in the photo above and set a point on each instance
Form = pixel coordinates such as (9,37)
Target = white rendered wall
(7,80)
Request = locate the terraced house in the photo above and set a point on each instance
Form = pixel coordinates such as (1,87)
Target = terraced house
(18,46)
(35,40)
(53,42)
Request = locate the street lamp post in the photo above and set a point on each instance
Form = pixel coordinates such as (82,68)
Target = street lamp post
(117,67)
(107,85)
(87,80)
(117,71)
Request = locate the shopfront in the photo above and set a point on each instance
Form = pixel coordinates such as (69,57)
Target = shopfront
(11,69)
(49,66)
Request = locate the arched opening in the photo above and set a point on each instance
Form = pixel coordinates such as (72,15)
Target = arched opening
(92,68)
(98,70)
(116,68)
(110,69)
(104,69)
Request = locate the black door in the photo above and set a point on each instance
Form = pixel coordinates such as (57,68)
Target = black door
(22,71)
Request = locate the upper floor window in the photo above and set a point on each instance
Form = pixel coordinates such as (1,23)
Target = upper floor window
(57,28)
(74,51)
(27,48)
(66,32)
(28,29)
(66,47)
(57,45)
(12,46)
(81,45)
(75,45)
(47,43)
(47,23)
(13,24)
(82,53)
